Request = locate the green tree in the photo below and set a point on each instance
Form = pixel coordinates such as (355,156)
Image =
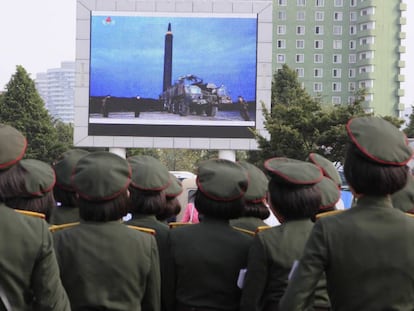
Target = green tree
(409,130)
(22,107)
(292,121)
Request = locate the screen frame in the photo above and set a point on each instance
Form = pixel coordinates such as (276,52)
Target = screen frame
(118,139)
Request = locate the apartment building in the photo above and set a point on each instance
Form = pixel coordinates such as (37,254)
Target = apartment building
(338,47)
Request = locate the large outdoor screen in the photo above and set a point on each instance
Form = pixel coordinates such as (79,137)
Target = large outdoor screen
(172,74)
(189,74)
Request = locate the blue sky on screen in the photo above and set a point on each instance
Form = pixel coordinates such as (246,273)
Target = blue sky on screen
(127,53)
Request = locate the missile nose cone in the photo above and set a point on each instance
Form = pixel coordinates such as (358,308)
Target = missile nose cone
(169,26)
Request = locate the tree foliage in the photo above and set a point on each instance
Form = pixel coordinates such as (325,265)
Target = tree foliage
(409,130)
(22,107)
(299,124)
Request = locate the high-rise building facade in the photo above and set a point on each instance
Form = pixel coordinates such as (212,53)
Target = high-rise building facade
(340,47)
(57,89)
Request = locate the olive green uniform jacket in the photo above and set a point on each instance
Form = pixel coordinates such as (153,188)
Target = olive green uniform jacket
(64,215)
(205,262)
(248,223)
(109,266)
(161,236)
(271,258)
(367,253)
(29,274)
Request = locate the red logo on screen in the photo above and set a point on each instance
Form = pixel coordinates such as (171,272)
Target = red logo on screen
(108,21)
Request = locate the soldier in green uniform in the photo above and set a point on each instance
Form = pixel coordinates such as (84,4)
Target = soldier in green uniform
(207,259)
(66,210)
(366,251)
(104,264)
(29,271)
(294,198)
(150,178)
(39,181)
(172,205)
(256,208)
(404,199)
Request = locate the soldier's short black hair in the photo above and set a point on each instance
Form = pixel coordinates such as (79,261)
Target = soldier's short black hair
(102,211)
(44,204)
(218,209)
(256,209)
(147,202)
(64,197)
(293,201)
(172,208)
(372,178)
(12,182)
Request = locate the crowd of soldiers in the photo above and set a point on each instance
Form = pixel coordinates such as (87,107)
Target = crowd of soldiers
(66,243)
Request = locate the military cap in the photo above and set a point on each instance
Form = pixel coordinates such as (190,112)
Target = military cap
(379,140)
(175,187)
(12,145)
(327,167)
(257,189)
(148,173)
(222,180)
(101,176)
(330,193)
(404,198)
(291,171)
(64,167)
(40,177)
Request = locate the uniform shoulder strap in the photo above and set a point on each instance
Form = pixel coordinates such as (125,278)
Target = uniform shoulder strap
(262,228)
(176,224)
(142,229)
(54,228)
(409,214)
(30,213)
(249,232)
(324,214)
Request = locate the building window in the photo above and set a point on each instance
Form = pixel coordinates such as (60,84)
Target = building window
(281,15)
(318,87)
(319,30)
(366,55)
(366,40)
(336,86)
(352,29)
(353,16)
(336,100)
(338,16)
(352,44)
(281,58)
(301,2)
(318,44)
(367,26)
(338,3)
(336,72)
(281,29)
(337,44)
(300,44)
(352,3)
(352,58)
(337,58)
(300,58)
(318,72)
(319,16)
(300,15)
(337,30)
(300,72)
(282,2)
(318,58)
(319,3)
(351,86)
(300,30)
(281,44)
